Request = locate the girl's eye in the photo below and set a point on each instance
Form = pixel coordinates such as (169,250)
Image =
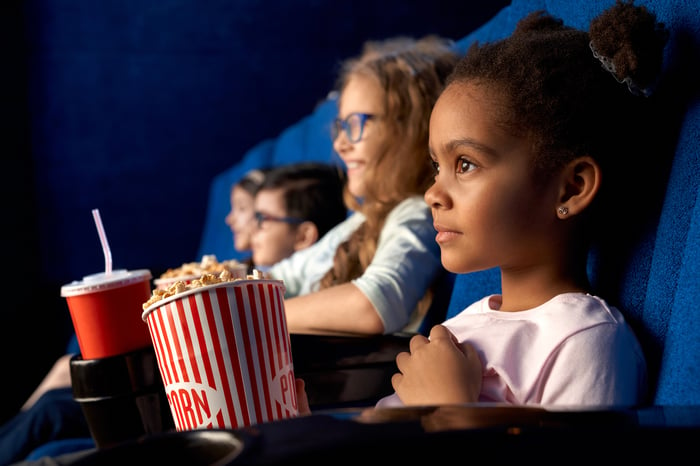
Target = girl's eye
(436,167)
(464,165)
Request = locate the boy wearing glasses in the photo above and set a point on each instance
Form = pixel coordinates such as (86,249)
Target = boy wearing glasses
(295,206)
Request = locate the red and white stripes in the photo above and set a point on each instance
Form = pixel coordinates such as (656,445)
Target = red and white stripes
(224,355)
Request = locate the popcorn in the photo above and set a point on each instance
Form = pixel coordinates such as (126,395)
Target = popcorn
(206,279)
(208,264)
(193,270)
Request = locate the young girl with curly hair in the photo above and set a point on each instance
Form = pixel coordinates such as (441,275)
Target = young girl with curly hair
(537,144)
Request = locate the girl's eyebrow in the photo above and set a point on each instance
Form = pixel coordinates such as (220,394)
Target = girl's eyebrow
(456,144)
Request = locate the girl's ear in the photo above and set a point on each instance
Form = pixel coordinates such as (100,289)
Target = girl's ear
(306,235)
(580,183)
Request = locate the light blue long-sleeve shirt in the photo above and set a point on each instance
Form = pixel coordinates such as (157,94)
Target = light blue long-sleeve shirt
(406,262)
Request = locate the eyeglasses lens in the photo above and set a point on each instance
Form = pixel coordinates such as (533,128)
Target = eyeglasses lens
(353,126)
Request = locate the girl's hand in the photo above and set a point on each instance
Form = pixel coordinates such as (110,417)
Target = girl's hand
(302,399)
(438,371)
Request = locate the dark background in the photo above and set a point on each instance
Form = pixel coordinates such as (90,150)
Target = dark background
(132,107)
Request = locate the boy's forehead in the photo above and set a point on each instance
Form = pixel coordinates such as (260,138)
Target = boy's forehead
(240,193)
(270,196)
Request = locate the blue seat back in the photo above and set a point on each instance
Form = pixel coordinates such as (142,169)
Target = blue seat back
(670,308)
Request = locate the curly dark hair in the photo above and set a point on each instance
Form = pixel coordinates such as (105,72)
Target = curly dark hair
(573,93)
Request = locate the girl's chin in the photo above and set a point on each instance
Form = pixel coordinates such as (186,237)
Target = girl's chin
(355,183)
(356,191)
(453,265)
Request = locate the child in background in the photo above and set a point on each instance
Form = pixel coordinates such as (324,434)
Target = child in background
(532,139)
(241,218)
(295,206)
(372,273)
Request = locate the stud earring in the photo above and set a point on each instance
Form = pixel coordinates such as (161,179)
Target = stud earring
(563,210)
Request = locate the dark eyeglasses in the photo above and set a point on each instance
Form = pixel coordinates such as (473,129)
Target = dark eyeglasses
(261,217)
(353,125)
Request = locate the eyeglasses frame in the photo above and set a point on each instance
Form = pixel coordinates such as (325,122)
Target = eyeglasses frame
(261,217)
(342,124)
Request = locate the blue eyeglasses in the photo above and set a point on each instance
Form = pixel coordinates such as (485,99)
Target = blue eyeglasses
(353,125)
(261,217)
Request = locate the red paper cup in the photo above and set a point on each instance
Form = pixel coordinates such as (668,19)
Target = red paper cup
(106,312)
(224,354)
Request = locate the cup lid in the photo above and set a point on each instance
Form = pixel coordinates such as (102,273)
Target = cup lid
(103,281)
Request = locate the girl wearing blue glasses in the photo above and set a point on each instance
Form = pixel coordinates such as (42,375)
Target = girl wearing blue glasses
(372,273)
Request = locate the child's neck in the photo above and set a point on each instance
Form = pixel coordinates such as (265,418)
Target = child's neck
(520,293)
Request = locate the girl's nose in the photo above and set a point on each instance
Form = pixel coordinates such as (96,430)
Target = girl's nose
(341,143)
(435,196)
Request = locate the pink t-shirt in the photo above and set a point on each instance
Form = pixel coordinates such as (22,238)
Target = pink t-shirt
(573,350)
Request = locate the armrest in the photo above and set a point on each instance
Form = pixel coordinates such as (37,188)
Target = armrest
(344,371)
(432,434)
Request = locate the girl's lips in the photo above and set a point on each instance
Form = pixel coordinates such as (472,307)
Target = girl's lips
(445,234)
(354,167)
(442,228)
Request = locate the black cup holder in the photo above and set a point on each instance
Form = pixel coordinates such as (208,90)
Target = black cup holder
(122,397)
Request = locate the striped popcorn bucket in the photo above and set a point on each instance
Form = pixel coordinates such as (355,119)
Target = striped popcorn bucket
(224,354)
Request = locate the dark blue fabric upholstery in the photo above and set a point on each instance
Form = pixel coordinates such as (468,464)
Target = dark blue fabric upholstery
(673,290)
